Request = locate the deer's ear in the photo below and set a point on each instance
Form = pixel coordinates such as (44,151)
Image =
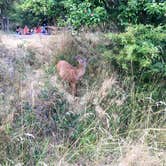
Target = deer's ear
(87,60)
(77,57)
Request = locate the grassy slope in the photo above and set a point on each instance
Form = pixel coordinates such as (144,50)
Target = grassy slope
(110,123)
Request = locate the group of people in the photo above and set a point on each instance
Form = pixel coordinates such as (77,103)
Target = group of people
(35,30)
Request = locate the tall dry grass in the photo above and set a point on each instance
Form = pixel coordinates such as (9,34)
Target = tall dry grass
(110,123)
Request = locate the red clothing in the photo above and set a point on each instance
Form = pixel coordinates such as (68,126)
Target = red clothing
(38,30)
(26,30)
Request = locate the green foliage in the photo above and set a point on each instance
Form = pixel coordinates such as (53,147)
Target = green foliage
(157,9)
(5,5)
(89,13)
(32,12)
(84,13)
(146,11)
(140,50)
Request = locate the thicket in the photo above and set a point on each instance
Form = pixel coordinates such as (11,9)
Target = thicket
(85,12)
(139,51)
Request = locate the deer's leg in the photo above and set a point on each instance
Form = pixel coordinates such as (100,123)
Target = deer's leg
(73,89)
(63,83)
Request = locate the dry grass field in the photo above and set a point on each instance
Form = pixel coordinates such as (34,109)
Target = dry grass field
(41,123)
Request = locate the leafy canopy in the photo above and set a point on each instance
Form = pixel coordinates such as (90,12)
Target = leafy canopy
(33,12)
(80,13)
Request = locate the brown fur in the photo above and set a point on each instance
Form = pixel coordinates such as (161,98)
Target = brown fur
(70,73)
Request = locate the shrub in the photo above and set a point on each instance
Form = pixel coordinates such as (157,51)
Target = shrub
(144,12)
(140,50)
(84,14)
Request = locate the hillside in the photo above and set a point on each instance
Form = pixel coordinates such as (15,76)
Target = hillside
(110,122)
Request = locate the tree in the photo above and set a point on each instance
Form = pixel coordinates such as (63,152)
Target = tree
(85,13)
(33,12)
(5,6)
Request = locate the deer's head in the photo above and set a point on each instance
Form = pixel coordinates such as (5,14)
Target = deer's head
(81,60)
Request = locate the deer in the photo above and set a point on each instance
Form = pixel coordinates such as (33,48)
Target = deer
(72,74)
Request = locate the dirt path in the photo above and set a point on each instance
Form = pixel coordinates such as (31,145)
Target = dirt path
(12,41)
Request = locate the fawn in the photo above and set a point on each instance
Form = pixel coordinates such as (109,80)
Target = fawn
(71,73)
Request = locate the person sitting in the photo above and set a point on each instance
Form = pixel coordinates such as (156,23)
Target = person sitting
(32,31)
(26,30)
(44,30)
(18,30)
(38,29)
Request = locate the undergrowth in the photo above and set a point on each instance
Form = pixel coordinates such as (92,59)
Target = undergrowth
(114,121)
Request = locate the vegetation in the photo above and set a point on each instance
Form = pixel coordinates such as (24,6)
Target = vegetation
(140,50)
(119,115)
(87,13)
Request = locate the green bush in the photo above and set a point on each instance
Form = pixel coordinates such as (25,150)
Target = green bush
(156,11)
(84,13)
(33,13)
(87,13)
(146,11)
(140,50)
